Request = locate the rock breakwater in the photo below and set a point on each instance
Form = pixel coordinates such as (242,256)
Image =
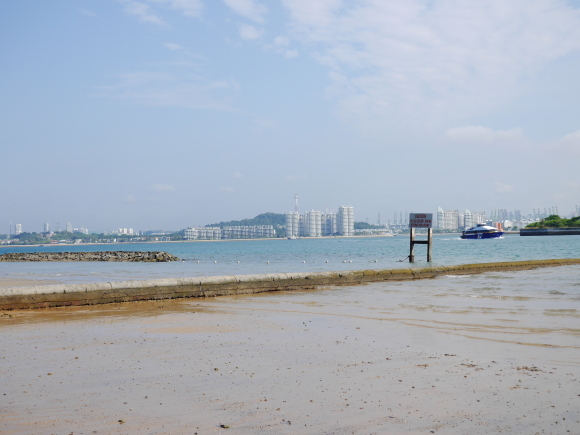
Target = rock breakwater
(143,256)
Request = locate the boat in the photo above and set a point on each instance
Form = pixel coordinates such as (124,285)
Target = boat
(482,231)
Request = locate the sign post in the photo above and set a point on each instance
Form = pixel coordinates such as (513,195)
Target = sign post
(420,220)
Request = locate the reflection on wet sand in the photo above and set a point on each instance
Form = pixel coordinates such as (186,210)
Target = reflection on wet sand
(414,357)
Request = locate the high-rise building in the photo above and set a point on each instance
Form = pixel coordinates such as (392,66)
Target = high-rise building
(69,227)
(47,227)
(329,225)
(472,219)
(345,220)
(292,225)
(234,232)
(18,229)
(313,224)
(447,219)
(316,224)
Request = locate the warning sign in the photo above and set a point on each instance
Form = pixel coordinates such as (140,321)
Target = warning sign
(420,220)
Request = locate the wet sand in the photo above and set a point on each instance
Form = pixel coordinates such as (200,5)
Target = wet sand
(490,353)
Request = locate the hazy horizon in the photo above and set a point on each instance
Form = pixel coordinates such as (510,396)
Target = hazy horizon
(164,114)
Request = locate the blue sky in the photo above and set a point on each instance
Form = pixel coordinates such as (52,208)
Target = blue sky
(173,113)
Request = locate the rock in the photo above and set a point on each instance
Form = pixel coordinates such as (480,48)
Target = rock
(142,256)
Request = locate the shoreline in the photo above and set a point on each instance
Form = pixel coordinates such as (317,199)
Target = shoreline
(45,296)
(217,240)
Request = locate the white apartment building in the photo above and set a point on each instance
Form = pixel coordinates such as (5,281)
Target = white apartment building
(447,219)
(234,232)
(248,232)
(292,225)
(345,221)
(312,224)
(472,219)
(125,231)
(18,229)
(317,224)
(329,224)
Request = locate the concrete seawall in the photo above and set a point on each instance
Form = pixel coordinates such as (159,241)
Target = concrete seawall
(550,232)
(125,291)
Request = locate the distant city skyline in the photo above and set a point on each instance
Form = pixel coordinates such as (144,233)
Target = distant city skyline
(401,218)
(165,114)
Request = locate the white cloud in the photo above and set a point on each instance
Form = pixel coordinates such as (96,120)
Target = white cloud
(227,189)
(87,12)
(289,54)
(168,90)
(432,62)
(280,45)
(503,188)
(479,134)
(130,199)
(162,188)
(142,11)
(569,144)
(238,175)
(248,31)
(190,8)
(172,46)
(262,124)
(248,9)
(318,14)
(281,41)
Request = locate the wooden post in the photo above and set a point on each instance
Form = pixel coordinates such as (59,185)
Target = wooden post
(420,220)
(429,243)
(412,245)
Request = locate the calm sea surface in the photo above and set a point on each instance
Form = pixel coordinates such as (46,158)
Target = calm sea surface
(303,255)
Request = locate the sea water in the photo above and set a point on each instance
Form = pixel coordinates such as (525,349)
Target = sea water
(242,257)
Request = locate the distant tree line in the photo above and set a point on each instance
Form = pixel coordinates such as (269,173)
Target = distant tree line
(366,226)
(555,221)
(277,220)
(68,237)
(274,219)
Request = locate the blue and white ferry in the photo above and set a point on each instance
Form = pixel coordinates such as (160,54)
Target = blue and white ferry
(481,231)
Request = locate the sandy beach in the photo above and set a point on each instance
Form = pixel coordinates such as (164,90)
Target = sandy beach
(497,352)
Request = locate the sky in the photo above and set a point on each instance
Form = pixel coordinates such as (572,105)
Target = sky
(164,114)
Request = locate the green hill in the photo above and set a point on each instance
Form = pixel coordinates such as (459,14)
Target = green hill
(555,221)
(275,219)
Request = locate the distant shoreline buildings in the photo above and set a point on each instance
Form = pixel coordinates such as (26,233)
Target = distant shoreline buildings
(294,225)
(452,220)
(234,232)
(317,224)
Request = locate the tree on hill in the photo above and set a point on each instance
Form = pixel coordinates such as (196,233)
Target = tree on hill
(555,221)
(274,219)
(365,226)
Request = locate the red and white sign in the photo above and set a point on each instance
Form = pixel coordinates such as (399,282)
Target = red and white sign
(420,220)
